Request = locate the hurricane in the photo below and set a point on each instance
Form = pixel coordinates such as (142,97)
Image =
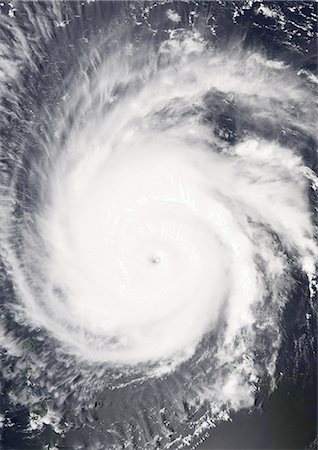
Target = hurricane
(157,216)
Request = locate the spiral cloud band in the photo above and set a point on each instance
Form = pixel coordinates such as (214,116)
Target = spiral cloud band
(150,223)
(155,234)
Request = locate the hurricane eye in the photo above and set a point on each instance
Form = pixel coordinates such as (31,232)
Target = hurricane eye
(155,259)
